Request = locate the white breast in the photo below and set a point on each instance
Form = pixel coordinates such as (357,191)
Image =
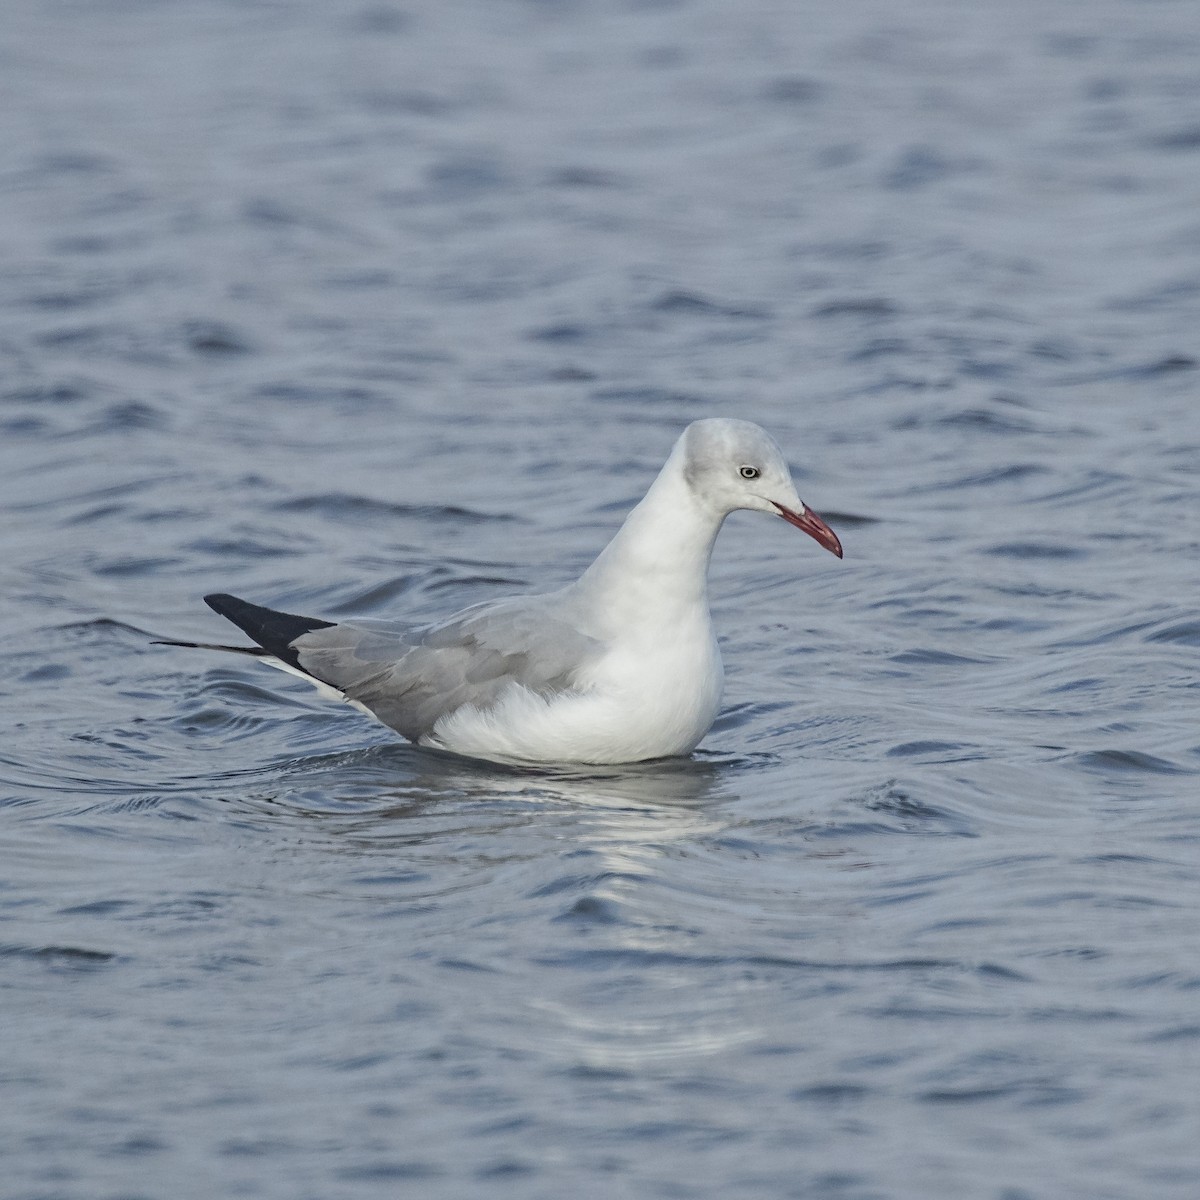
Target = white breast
(638,702)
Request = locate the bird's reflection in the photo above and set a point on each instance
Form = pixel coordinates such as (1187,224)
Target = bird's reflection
(598,874)
(390,792)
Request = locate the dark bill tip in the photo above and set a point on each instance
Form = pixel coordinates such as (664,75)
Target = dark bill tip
(813,526)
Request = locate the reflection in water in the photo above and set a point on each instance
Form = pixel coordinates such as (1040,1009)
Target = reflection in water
(369,778)
(363,794)
(618,835)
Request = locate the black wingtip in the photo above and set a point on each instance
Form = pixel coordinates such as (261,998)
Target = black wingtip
(273,631)
(256,651)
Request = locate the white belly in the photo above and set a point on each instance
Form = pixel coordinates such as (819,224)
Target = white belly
(636,703)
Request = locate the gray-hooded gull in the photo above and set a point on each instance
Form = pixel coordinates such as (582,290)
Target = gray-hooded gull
(621,665)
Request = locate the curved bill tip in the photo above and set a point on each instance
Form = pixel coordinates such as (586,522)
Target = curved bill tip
(813,526)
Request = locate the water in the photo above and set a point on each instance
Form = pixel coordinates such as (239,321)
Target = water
(357,309)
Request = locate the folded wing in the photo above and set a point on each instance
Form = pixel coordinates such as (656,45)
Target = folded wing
(410,677)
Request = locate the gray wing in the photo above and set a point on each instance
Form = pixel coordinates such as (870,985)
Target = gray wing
(410,678)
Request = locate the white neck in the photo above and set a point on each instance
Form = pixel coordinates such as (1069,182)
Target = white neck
(658,561)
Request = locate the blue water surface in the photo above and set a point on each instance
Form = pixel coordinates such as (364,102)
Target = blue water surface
(361,309)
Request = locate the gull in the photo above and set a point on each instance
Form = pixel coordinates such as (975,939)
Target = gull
(620,666)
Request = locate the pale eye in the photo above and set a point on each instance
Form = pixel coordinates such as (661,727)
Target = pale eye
(749,472)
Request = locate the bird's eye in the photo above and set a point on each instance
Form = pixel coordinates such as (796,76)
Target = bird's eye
(749,472)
